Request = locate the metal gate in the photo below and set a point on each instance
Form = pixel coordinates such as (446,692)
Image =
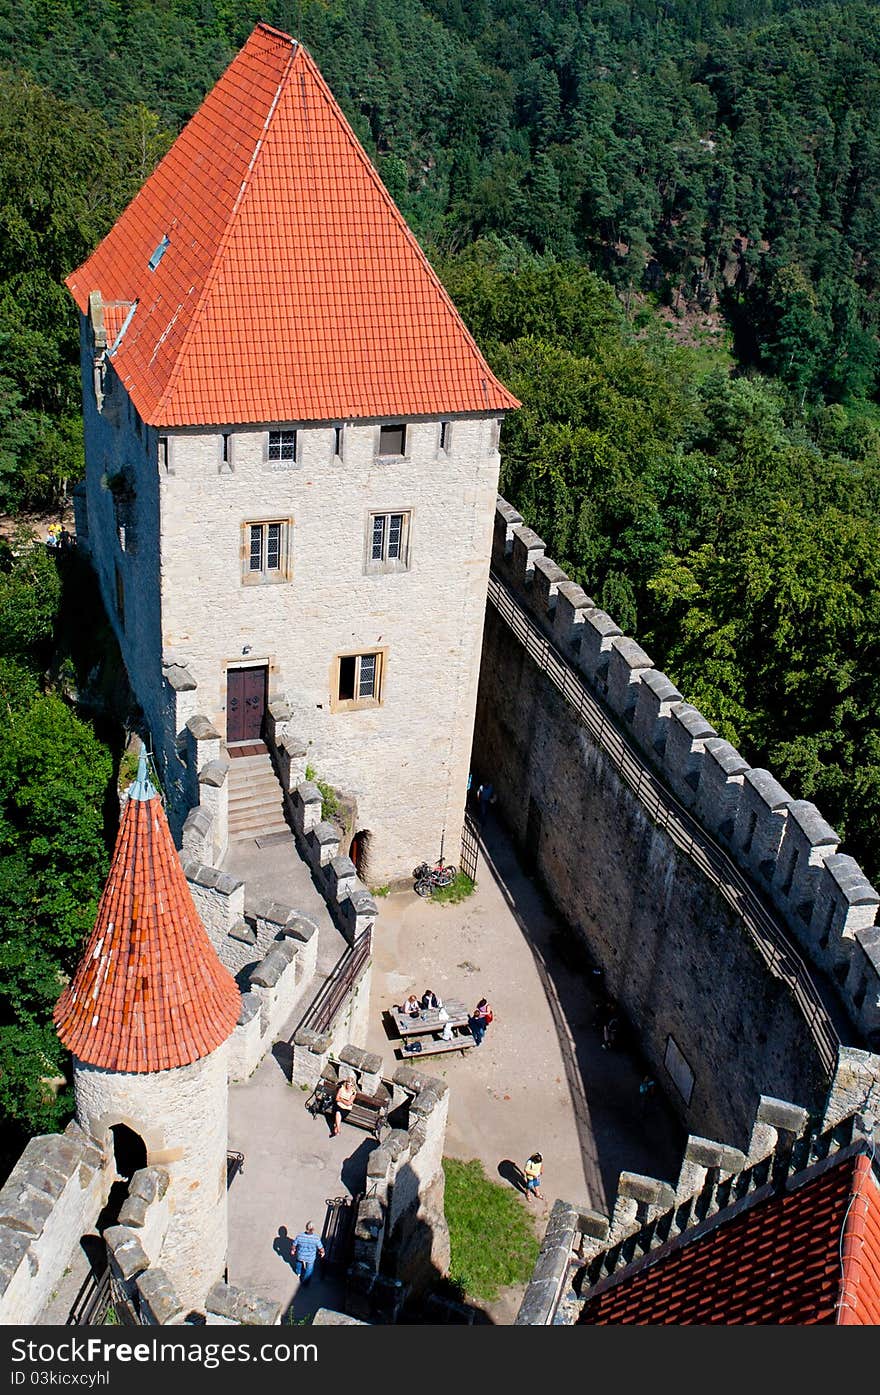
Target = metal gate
(91,1303)
(469,848)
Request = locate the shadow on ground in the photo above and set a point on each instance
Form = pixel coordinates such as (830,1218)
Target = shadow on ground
(603,1082)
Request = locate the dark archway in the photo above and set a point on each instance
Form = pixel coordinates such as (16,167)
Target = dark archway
(359,852)
(129,1151)
(129,1156)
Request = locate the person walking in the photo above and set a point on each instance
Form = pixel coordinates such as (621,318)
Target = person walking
(306,1248)
(532,1170)
(646,1093)
(485,797)
(480,1018)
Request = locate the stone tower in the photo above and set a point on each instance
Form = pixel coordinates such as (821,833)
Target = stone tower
(147,1017)
(291,456)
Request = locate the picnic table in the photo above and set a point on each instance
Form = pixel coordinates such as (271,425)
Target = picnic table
(428,1026)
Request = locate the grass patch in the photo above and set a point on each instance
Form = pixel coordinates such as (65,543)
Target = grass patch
(492,1238)
(456,891)
(381,890)
(128,768)
(329,797)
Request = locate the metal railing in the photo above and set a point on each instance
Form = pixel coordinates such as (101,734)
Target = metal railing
(668,814)
(91,1303)
(333,993)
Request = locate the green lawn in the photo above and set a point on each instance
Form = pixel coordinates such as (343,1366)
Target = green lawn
(492,1237)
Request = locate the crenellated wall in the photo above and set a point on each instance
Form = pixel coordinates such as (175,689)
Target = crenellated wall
(50,1199)
(582,1248)
(783,843)
(671,944)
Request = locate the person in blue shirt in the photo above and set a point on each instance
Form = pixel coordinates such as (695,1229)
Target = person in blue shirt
(306,1247)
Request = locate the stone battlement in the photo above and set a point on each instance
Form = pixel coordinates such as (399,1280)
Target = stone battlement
(581,1248)
(785,845)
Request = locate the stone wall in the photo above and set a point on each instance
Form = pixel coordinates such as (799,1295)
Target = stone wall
(186,1135)
(673,952)
(784,844)
(51,1198)
(582,1248)
(401,1238)
(122,531)
(405,761)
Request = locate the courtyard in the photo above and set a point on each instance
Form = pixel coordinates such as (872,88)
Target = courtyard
(540,1081)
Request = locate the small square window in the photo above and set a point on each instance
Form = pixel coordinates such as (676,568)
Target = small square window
(359,679)
(266,551)
(282,446)
(392,439)
(388,542)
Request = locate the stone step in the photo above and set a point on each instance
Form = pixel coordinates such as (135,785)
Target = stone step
(258,829)
(262,761)
(254,813)
(251,793)
(261,830)
(259,772)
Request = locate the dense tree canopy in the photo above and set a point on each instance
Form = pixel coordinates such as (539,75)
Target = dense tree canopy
(54,774)
(739,541)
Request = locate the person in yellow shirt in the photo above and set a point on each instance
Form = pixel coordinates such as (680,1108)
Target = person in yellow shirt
(532,1172)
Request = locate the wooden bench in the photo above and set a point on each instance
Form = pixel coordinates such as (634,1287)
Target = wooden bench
(432,1046)
(368,1112)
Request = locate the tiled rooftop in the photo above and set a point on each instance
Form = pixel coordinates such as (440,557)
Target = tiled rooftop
(804,1256)
(291,288)
(150,992)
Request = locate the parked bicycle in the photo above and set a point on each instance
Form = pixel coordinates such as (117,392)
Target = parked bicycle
(427,877)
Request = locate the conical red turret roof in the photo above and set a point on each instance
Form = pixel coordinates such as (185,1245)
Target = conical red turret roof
(150,992)
(264,274)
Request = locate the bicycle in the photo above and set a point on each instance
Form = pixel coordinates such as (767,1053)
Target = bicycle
(427,878)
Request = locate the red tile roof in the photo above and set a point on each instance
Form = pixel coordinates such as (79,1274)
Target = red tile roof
(777,1262)
(291,288)
(150,992)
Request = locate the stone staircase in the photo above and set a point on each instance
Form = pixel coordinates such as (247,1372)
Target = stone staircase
(256,805)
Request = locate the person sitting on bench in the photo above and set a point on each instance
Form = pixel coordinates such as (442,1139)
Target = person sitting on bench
(430,999)
(411,1007)
(346,1091)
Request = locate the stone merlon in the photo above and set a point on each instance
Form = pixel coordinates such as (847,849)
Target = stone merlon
(768,788)
(815,829)
(854,885)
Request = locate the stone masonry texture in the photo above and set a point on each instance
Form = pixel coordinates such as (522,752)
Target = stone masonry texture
(672,953)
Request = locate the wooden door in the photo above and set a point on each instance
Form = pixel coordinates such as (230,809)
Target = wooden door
(245,703)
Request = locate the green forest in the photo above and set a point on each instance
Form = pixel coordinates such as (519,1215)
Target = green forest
(662,223)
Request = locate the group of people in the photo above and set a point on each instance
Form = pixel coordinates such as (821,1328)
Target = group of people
(58,537)
(478,1021)
(413,1005)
